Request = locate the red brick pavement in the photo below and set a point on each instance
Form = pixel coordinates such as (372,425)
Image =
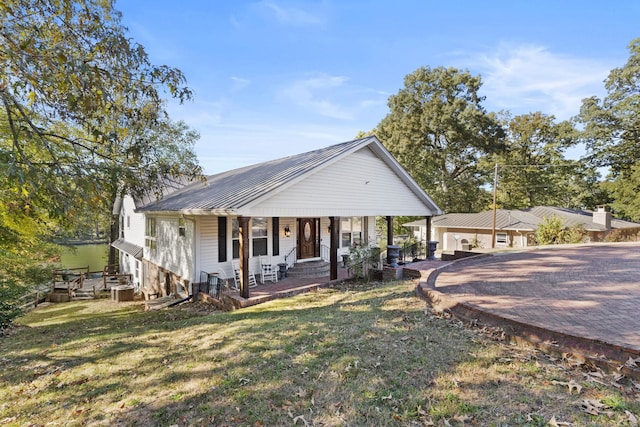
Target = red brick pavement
(591,292)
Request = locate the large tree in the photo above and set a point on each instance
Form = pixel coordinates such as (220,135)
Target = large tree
(439,131)
(612,133)
(533,169)
(83,113)
(79,98)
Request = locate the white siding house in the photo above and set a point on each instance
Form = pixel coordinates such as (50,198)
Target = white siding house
(309,206)
(131,239)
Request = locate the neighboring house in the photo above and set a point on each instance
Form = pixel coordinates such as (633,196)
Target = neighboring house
(515,228)
(310,206)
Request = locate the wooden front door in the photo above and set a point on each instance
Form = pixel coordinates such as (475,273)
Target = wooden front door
(308,241)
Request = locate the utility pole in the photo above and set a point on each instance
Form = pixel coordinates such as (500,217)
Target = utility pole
(493,226)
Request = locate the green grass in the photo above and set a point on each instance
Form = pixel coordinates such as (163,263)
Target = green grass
(358,354)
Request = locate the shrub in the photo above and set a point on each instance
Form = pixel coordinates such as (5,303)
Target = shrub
(361,258)
(9,310)
(550,231)
(574,234)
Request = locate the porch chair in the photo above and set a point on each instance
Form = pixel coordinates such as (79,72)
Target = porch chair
(268,271)
(236,277)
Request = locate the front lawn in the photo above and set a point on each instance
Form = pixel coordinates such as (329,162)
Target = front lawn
(368,354)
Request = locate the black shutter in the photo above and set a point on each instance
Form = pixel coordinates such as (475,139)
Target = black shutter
(275,234)
(222,239)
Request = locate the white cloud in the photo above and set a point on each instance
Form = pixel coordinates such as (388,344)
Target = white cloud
(529,78)
(238,83)
(292,15)
(314,94)
(333,97)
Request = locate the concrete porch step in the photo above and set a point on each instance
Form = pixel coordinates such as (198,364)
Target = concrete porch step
(309,269)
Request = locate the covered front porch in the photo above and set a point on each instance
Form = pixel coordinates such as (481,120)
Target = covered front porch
(291,286)
(283,288)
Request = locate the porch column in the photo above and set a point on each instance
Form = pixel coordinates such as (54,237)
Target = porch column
(389,230)
(243,228)
(333,249)
(432,245)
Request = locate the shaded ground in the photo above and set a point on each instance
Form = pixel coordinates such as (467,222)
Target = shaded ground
(351,355)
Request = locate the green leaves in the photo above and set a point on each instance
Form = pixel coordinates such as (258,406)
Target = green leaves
(82,115)
(612,132)
(75,89)
(533,170)
(439,131)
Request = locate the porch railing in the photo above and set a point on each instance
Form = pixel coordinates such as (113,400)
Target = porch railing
(291,258)
(325,252)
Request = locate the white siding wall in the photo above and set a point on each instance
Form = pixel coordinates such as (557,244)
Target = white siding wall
(358,185)
(133,231)
(134,228)
(127,265)
(173,252)
(207,253)
(207,259)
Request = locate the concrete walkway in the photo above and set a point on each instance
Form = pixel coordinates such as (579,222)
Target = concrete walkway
(580,298)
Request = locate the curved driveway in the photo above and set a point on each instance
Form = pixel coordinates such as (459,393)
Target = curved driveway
(590,291)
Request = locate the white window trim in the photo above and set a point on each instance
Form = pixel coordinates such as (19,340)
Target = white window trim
(150,239)
(499,239)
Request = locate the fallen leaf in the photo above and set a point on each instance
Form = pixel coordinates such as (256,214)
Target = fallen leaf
(632,363)
(554,423)
(592,406)
(572,385)
(461,418)
(300,417)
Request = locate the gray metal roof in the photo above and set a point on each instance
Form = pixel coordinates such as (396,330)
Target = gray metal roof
(505,220)
(124,246)
(229,191)
(523,220)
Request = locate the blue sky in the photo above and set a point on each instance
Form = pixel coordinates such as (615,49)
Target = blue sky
(274,77)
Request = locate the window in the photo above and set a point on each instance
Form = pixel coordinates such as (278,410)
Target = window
(122,226)
(259,236)
(182,227)
(150,233)
(137,272)
(235,238)
(501,238)
(128,221)
(351,231)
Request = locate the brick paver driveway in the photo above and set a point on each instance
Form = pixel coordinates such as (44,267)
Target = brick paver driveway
(588,291)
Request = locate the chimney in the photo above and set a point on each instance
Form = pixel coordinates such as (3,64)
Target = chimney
(602,216)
